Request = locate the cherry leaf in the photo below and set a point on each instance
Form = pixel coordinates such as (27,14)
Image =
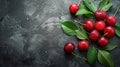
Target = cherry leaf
(110,47)
(81,34)
(108,6)
(83,11)
(103,3)
(91,55)
(117,30)
(90,5)
(69,28)
(105,58)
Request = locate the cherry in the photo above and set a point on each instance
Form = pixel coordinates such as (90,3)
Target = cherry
(109,31)
(100,25)
(100,14)
(88,25)
(83,45)
(111,20)
(73,8)
(69,47)
(103,42)
(94,35)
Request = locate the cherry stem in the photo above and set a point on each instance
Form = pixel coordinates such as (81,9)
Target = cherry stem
(79,2)
(79,56)
(118,7)
(79,22)
(105,34)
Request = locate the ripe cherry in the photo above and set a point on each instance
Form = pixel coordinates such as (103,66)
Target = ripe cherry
(83,45)
(94,35)
(100,15)
(111,20)
(73,8)
(88,25)
(103,42)
(109,31)
(69,47)
(100,25)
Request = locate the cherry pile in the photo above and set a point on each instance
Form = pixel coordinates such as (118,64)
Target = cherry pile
(99,31)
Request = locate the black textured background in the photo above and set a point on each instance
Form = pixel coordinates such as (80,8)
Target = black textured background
(31,36)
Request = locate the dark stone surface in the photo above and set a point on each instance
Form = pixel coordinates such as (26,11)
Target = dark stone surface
(30,34)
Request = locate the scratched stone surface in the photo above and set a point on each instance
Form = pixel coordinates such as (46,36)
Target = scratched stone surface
(31,36)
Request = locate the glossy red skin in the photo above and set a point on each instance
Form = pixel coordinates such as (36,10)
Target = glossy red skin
(88,25)
(100,25)
(73,8)
(110,30)
(100,15)
(83,45)
(94,35)
(111,20)
(103,42)
(69,47)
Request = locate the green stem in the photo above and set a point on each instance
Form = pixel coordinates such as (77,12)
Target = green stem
(79,56)
(79,2)
(118,7)
(79,22)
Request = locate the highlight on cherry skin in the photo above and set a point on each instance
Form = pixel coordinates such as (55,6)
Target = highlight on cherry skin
(73,8)
(94,35)
(102,42)
(100,15)
(88,25)
(69,47)
(83,45)
(100,25)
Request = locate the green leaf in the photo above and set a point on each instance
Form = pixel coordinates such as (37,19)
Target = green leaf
(110,47)
(103,3)
(83,11)
(82,6)
(69,27)
(117,30)
(90,5)
(105,58)
(107,7)
(91,55)
(81,34)
(89,15)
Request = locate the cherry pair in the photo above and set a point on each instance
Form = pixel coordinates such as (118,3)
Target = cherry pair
(82,45)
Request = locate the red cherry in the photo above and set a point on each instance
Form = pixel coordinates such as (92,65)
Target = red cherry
(111,20)
(69,47)
(94,35)
(88,25)
(109,31)
(100,25)
(103,42)
(73,8)
(83,45)
(100,14)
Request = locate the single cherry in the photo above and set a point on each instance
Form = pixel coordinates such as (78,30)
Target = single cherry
(103,42)
(100,14)
(69,47)
(111,20)
(88,25)
(83,45)
(94,35)
(109,31)
(73,8)
(100,25)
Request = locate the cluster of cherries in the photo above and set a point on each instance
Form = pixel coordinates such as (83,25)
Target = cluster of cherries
(99,32)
